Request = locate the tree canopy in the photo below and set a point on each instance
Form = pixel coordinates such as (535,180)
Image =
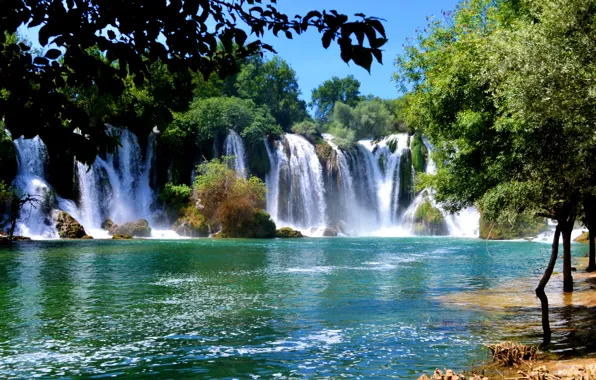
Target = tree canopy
(206,36)
(345,90)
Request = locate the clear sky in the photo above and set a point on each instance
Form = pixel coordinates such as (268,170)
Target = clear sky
(313,64)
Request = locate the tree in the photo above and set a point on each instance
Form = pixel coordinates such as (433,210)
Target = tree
(490,89)
(272,84)
(369,119)
(345,90)
(11,205)
(235,204)
(131,37)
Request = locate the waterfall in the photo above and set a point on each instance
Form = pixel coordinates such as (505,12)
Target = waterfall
(296,183)
(234,147)
(34,220)
(118,186)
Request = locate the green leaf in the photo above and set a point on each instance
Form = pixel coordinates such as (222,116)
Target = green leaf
(53,54)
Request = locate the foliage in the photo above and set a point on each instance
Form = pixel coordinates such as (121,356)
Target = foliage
(233,203)
(308,129)
(419,153)
(8,158)
(175,197)
(369,119)
(272,84)
(345,90)
(512,227)
(128,39)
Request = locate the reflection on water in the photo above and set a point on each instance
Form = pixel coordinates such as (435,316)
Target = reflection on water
(308,308)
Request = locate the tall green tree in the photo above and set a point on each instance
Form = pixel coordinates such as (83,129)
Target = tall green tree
(272,84)
(344,90)
(489,89)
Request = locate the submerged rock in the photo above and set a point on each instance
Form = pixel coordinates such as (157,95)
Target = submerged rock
(287,232)
(67,226)
(140,228)
(329,232)
(121,237)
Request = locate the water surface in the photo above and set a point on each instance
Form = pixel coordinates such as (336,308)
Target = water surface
(204,308)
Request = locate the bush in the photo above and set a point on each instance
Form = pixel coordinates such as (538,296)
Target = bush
(233,203)
(308,129)
(419,154)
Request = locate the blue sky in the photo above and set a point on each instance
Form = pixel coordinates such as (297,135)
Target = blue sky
(313,64)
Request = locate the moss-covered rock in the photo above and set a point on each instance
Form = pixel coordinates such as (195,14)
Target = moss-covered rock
(287,232)
(524,226)
(107,224)
(140,228)
(87,237)
(67,226)
(121,237)
(258,159)
(191,223)
(324,152)
(419,154)
(406,180)
(260,227)
(429,220)
(584,238)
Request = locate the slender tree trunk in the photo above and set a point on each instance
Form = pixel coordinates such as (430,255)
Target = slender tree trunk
(592,262)
(567,228)
(540,293)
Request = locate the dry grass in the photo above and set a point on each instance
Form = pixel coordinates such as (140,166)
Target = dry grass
(509,354)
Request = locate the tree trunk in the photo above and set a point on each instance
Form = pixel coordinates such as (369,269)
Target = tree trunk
(567,228)
(540,293)
(592,262)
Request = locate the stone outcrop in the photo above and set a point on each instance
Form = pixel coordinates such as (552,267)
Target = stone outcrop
(140,228)
(121,237)
(287,232)
(107,224)
(329,232)
(67,226)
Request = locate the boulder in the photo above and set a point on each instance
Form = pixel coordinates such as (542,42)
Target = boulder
(328,232)
(87,237)
(191,224)
(583,238)
(67,226)
(287,232)
(121,237)
(140,228)
(107,224)
(429,220)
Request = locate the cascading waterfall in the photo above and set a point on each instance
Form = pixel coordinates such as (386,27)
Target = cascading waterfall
(234,147)
(359,191)
(296,182)
(119,185)
(34,220)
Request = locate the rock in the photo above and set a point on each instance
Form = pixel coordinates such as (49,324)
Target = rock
(583,238)
(121,237)
(429,221)
(424,377)
(67,226)
(87,237)
(260,227)
(191,224)
(107,224)
(287,232)
(5,240)
(140,228)
(328,232)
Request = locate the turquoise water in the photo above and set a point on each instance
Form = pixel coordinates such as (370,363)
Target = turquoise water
(239,309)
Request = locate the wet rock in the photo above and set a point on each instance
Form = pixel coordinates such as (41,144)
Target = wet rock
(87,237)
(107,224)
(67,226)
(121,237)
(140,228)
(287,232)
(6,240)
(328,232)
(583,238)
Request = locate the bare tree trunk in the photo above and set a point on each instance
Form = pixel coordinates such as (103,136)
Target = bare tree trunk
(590,223)
(567,228)
(540,293)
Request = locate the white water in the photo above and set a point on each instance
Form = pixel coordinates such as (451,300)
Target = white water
(296,190)
(234,147)
(34,221)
